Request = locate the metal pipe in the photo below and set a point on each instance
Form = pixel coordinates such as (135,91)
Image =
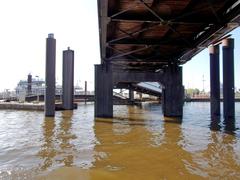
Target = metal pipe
(228,80)
(214,81)
(50,76)
(68,79)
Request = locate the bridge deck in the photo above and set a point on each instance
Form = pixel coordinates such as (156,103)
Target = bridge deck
(147,35)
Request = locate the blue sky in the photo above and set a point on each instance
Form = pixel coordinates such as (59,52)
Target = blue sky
(26,23)
(194,70)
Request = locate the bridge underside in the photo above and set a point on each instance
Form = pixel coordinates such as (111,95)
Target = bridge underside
(147,35)
(153,36)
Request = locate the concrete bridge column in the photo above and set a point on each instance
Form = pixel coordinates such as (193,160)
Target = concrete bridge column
(214,81)
(173,92)
(68,79)
(103,91)
(228,79)
(50,76)
(131,95)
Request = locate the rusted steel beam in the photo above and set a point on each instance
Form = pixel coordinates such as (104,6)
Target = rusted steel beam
(152,11)
(131,24)
(153,60)
(127,53)
(125,10)
(214,33)
(190,13)
(134,33)
(141,69)
(103,22)
(143,58)
(129,34)
(149,41)
(163,21)
(152,21)
(213,11)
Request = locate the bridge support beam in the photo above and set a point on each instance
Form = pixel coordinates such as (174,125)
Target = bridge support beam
(131,95)
(228,80)
(103,91)
(68,79)
(50,76)
(173,92)
(214,81)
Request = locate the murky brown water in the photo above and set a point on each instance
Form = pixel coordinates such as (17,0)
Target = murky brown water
(137,144)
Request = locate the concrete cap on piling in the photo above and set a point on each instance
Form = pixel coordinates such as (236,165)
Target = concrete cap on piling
(213,49)
(50,35)
(228,42)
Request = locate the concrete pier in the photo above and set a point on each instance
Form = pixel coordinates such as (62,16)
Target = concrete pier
(29,85)
(228,79)
(173,92)
(68,79)
(106,79)
(103,91)
(50,76)
(214,81)
(131,95)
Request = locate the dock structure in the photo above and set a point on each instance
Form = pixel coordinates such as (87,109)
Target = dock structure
(50,76)
(68,79)
(150,41)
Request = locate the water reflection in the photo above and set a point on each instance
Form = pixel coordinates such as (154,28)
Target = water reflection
(219,158)
(215,123)
(177,120)
(137,144)
(229,125)
(119,146)
(174,147)
(65,136)
(119,155)
(57,147)
(47,151)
